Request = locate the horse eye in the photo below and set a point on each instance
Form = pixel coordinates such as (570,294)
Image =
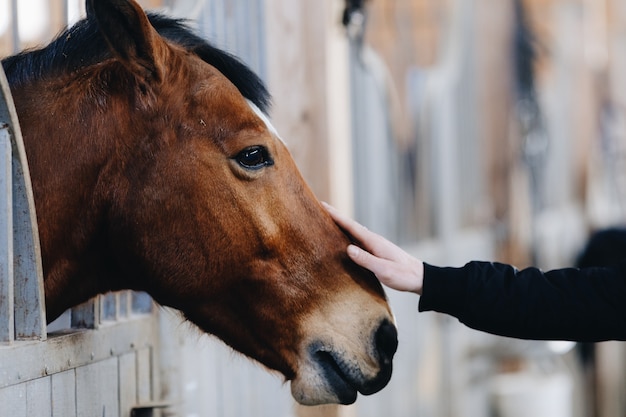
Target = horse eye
(254,157)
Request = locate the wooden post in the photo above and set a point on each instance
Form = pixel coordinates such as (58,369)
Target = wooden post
(6,31)
(308,79)
(29,313)
(7,329)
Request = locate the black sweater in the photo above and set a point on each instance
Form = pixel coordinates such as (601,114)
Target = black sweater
(583,305)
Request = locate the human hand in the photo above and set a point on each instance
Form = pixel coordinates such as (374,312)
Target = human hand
(392,266)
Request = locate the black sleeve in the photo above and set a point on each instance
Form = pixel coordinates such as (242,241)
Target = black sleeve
(583,305)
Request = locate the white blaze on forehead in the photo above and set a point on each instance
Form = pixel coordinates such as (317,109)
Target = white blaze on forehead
(265,119)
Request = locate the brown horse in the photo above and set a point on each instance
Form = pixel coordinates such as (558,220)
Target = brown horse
(154,168)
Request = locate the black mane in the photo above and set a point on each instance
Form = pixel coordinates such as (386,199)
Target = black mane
(82,45)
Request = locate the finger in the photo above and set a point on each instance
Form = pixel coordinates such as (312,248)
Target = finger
(366,259)
(390,273)
(373,242)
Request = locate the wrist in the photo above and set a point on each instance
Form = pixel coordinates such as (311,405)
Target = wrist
(419,278)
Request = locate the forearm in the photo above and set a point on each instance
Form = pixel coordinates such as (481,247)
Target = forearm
(570,304)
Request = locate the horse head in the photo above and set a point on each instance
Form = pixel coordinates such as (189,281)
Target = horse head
(155,168)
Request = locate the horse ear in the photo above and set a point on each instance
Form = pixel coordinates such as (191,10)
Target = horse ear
(130,36)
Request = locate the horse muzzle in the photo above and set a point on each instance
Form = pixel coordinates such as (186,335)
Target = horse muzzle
(332,374)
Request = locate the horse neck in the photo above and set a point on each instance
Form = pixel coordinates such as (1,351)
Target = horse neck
(67,154)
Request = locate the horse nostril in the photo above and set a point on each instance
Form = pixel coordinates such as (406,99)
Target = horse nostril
(386,342)
(386,339)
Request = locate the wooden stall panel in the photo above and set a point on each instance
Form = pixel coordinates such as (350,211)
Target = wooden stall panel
(23,251)
(64,394)
(127,382)
(73,374)
(7,330)
(38,397)
(13,400)
(97,388)
(144,376)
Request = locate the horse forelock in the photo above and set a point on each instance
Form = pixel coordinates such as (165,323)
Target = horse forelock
(82,45)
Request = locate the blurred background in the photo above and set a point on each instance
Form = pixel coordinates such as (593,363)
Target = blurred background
(461,129)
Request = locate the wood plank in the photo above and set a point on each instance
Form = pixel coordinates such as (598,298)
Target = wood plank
(127,382)
(29,311)
(30,319)
(38,398)
(64,394)
(267,395)
(13,400)
(213,356)
(233,385)
(87,315)
(97,389)
(141,303)
(7,329)
(6,37)
(57,17)
(123,306)
(201,377)
(15,36)
(144,376)
(109,307)
(300,118)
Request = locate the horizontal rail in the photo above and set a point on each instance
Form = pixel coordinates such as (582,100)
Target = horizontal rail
(74,349)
